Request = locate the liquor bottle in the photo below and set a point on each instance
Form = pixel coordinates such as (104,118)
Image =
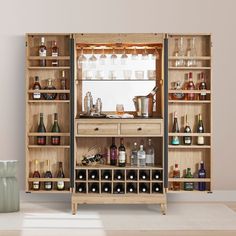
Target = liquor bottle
(106,175)
(63,96)
(55,53)
(106,188)
(113,153)
(202,174)
(177,95)
(190,86)
(156,175)
(36,174)
(119,188)
(118,175)
(41,140)
(143,175)
(187,140)
(176,174)
(81,188)
(122,154)
(189,186)
(134,155)
(48,174)
(42,52)
(131,175)
(60,175)
(156,188)
(191,52)
(94,188)
(81,175)
(153,92)
(200,129)
(143,188)
(55,140)
(49,96)
(175,129)
(37,87)
(130,188)
(93,175)
(150,153)
(202,86)
(141,157)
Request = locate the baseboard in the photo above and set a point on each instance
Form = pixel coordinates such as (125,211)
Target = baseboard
(215,196)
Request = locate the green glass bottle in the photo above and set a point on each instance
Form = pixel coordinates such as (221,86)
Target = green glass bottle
(41,140)
(55,140)
(189,186)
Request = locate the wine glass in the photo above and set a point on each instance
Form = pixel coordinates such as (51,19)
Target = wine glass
(113,57)
(92,60)
(134,55)
(124,58)
(103,58)
(145,54)
(81,59)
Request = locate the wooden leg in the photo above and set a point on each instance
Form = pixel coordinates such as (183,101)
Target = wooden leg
(163,209)
(74,208)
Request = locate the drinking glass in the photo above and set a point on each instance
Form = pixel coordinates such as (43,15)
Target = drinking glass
(119,109)
(124,58)
(112,75)
(134,55)
(127,74)
(103,58)
(139,74)
(145,54)
(113,58)
(151,74)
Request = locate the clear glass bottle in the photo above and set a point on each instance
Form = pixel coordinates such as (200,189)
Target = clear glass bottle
(179,52)
(191,52)
(134,155)
(150,154)
(141,157)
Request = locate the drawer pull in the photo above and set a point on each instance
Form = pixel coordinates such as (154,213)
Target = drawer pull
(96,129)
(139,129)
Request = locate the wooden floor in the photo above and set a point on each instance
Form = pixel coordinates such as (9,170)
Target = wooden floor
(232,205)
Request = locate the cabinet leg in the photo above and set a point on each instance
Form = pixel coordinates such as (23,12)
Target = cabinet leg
(74,208)
(163,209)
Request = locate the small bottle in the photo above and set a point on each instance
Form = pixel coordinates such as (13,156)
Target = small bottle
(200,130)
(60,175)
(122,154)
(190,86)
(55,140)
(189,186)
(119,189)
(113,153)
(202,174)
(177,95)
(187,140)
(176,174)
(36,174)
(55,53)
(143,175)
(94,188)
(106,188)
(131,175)
(106,175)
(134,155)
(156,188)
(81,175)
(81,188)
(130,188)
(37,87)
(48,174)
(150,154)
(41,140)
(93,175)
(141,157)
(63,96)
(42,52)
(175,129)
(143,188)
(118,175)
(202,86)
(49,96)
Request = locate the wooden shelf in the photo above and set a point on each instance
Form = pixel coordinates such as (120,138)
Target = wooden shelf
(190,134)
(49,101)
(189,91)
(189,68)
(184,191)
(48,179)
(49,191)
(49,68)
(189,180)
(190,101)
(116,80)
(189,146)
(50,146)
(49,58)
(200,58)
(48,91)
(49,134)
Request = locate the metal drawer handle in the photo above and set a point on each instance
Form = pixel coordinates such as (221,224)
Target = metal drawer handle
(139,129)
(96,129)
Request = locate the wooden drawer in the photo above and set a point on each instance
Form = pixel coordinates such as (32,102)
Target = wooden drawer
(142,129)
(97,129)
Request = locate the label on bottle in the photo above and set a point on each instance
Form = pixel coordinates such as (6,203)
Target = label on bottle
(42,52)
(201,175)
(175,140)
(113,154)
(149,158)
(60,185)
(41,140)
(189,186)
(54,54)
(48,185)
(36,95)
(187,140)
(200,140)
(55,140)
(203,93)
(121,156)
(36,185)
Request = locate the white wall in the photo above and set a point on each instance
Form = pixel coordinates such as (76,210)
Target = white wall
(218,17)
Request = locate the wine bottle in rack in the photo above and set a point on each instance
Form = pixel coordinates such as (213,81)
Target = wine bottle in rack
(141,157)
(189,186)
(41,140)
(60,175)
(94,188)
(106,188)
(202,86)
(143,188)
(175,129)
(134,155)
(130,188)
(156,188)
(55,140)
(55,52)
(36,174)
(200,129)
(119,188)
(176,174)
(118,175)
(36,95)
(150,153)
(63,96)
(81,188)
(42,52)
(48,174)
(49,86)
(113,153)
(93,175)
(143,175)
(81,175)
(202,174)
(187,140)
(190,86)
(156,175)
(106,175)
(131,175)
(122,154)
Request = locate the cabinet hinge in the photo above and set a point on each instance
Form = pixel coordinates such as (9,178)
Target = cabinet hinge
(26,44)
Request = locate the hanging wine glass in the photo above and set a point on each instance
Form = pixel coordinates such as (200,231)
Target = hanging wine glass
(134,55)
(113,57)
(103,57)
(155,55)
(124,58)
(145,54)
(92,60)
(81,59)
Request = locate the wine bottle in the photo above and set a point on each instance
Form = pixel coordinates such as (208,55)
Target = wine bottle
(55,52)
(41,140)
(49,96)
(189,186)
(36,95)
(55,140)
(81,188)
(106,175)
(42,52)
(175,129)
(60,175)
(150,153)
(200,129)
(190,86)
(63,96)
(153,92)
(130,188)
(94,188)
(156,175)
(156,188)
(141,157)
(36,174)
(176,174)
(122,154)
(134,155)
(202,86)
(106,188)
(48,174)
(202,174)
(119,189)
(113,153)
(93,175)
(143,175)
(81,175)
(187,140)
(131,175)
(143,188)
(118,175)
